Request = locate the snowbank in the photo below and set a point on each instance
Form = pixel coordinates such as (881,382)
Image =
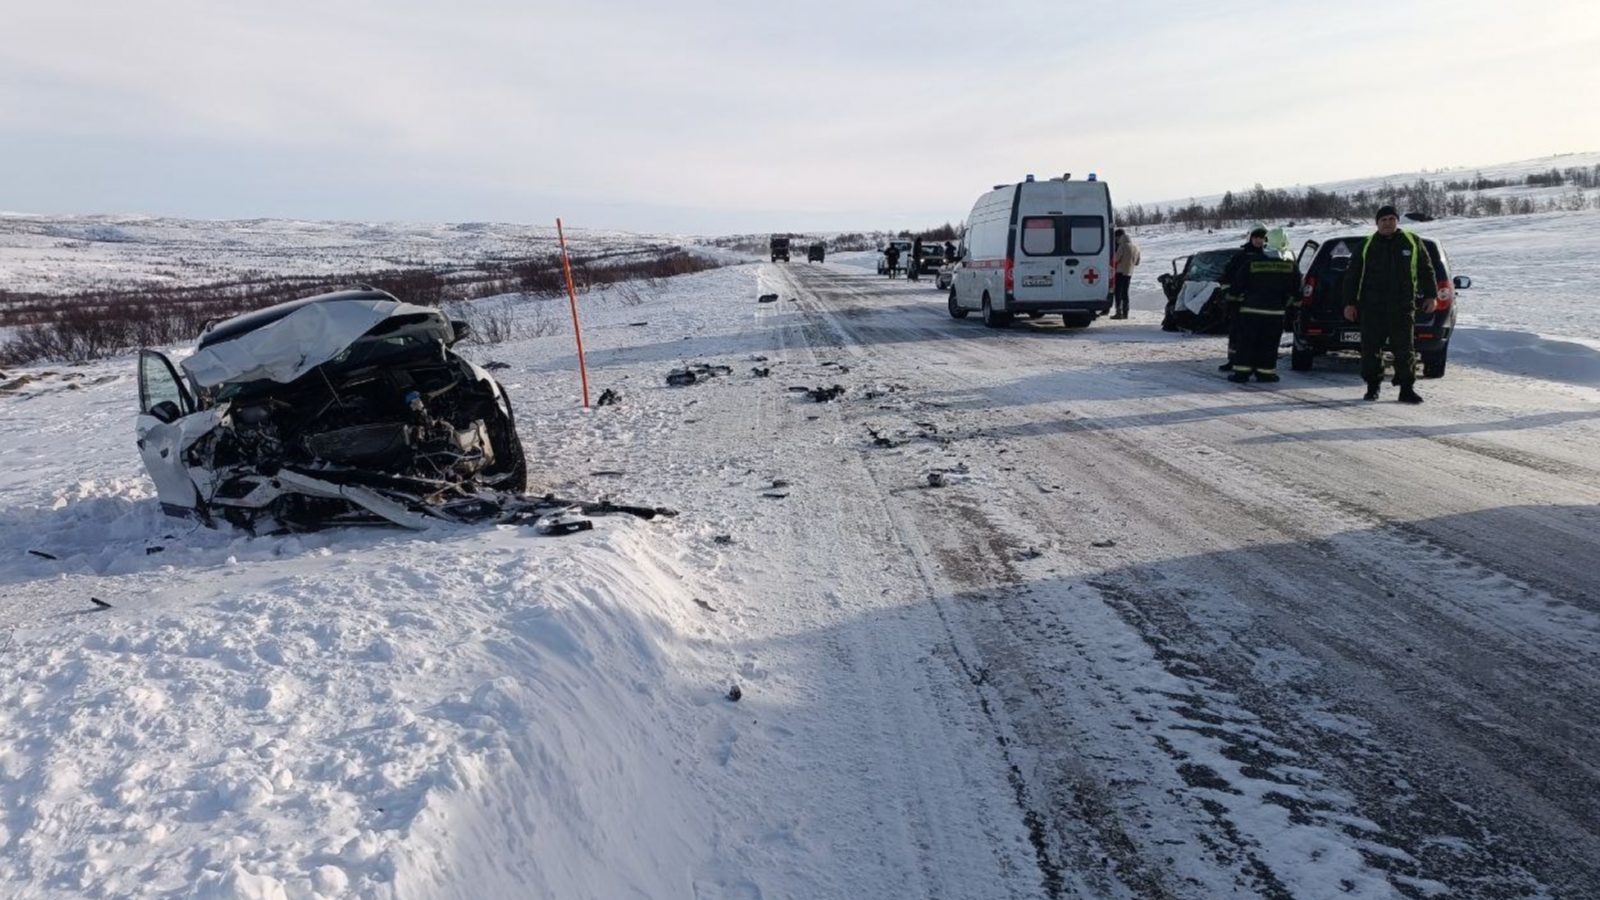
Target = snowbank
(354,714)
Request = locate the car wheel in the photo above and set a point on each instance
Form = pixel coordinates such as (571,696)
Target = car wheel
(956,312)
(1077,320)
(1433,363)
(991,318)
(1300,359)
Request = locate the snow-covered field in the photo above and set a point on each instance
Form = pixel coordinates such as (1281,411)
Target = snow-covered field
(65,253)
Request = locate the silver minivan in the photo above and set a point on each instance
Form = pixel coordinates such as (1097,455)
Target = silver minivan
(1034,248)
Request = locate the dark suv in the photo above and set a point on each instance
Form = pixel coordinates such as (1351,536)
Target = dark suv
(1318,322)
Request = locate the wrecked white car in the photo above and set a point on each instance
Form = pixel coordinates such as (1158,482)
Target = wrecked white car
(343,408)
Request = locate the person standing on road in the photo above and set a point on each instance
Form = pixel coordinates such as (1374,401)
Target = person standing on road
(916,260)
(891,255)
(1382,288)
(949,251)
(1265,284)
(1253,248)
(1124,259)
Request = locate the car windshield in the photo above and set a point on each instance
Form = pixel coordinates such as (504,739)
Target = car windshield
(1208,265)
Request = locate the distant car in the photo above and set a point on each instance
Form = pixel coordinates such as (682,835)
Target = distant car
(342,408)
(904,246)
(780,248)
(932,259)
(1318,322)
(816,252)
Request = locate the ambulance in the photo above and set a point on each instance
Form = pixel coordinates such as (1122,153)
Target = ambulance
(1037,248)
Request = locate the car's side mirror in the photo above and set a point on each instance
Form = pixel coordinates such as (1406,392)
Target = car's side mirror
(167,412)
(1463,282)
(461,331)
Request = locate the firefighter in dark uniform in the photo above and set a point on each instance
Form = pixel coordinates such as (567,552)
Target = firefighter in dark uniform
(916,260)
(1264,284)
(1386,280)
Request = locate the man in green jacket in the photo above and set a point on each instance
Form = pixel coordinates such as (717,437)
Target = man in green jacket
(1386,278)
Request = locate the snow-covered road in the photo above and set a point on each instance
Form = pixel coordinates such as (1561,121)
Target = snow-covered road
(1025,613)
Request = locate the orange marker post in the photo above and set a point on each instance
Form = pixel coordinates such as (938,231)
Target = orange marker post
(572,295)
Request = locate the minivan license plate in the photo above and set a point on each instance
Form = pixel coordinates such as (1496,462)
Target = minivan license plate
(1350,337)
(1037,281)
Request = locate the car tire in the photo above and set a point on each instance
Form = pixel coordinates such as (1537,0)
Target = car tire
(1077,320)
(1300,359)
(956,312)
(991,318)
(1433,363)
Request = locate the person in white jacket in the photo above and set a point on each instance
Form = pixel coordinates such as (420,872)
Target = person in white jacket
(1125,258)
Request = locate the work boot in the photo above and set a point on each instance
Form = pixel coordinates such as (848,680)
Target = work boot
(1408,394)
(1239,377)
(1268,377)
(1372,390)
(1225,367)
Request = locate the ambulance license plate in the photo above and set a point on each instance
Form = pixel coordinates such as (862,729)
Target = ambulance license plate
(1038,281)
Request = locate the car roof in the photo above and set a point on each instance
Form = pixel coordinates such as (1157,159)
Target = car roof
(242,324)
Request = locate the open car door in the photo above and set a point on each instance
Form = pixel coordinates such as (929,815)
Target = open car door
(165,427)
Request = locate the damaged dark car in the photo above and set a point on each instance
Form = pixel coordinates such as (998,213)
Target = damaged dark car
(343,408)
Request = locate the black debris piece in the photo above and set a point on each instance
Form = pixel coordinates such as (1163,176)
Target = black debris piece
(779,483)
(608,397)
(723,539)
(771,495)
(704,605)
(767,298)
(937,479)
(566,522)
(734,694)
(797,389)
(607,473)
(826,395)
(1030,553)
(153,550)
(43,555)
(758,358)
(695,372)
(833,365)
(492,365)
(637,324)
(878,439)
(99,604)
(1105,544)
(760,371)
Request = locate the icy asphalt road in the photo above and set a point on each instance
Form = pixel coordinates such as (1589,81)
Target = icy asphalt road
(1220,641)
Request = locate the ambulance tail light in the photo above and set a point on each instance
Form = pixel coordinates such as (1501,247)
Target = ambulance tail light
(1010,276)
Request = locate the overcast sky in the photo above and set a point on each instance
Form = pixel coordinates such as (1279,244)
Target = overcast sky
(695,116)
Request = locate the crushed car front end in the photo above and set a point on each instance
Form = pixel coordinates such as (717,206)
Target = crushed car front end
(344,408)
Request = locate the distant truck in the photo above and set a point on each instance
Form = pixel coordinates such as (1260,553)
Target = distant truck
(816,252)
(780,248)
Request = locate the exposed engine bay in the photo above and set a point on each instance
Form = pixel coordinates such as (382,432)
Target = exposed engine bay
(342,408)
(416,423)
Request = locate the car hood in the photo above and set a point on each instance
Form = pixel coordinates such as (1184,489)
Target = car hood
(297,343)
